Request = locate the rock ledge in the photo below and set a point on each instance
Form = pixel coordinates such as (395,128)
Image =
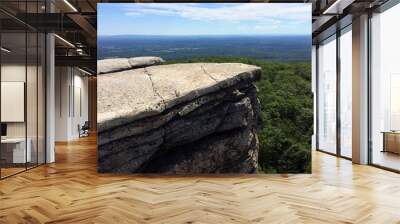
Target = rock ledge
(179,118)
(120,64)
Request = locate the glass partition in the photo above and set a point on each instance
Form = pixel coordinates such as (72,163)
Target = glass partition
(31,100)
(385,89)
(346,92)
(327,95)
(22,77)
(41,97)
(314,90)
(13,94)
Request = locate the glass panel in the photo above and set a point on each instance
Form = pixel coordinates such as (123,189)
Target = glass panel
(77,113)
(314,87)
(23,89)
(17,6)
(13,90)
(31,100)
(41,98)
(346,94)
(385,89)
(31,88)
(327,96)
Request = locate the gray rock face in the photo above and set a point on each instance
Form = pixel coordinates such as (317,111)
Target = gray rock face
(180,118)
(120,64)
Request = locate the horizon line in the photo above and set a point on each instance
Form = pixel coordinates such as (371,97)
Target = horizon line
(115,35)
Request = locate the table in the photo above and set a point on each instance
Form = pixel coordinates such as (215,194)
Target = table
(13,150)
(391,141)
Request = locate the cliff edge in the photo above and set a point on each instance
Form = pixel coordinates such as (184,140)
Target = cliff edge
(179,118)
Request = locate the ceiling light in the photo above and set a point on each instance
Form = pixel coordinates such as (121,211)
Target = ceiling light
(70,5)
(79,51)
(5,50)
(338,6)
(86,72)
(64,40)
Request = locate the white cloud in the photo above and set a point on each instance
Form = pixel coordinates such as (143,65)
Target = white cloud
(133,14)
(258,12)
(265,27)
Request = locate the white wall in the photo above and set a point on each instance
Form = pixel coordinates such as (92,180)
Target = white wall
(79,102)
(62,82)
(33,125)
(12,73)
(70,109)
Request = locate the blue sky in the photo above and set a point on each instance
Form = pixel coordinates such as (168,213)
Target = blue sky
(204,19)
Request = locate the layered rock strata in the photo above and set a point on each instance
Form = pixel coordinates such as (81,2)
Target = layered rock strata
(179,118)
(120,64)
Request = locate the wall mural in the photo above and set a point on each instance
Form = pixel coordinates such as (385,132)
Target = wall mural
(204,88)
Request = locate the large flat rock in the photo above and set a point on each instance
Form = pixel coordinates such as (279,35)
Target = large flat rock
(129,95)
(179,119)
(120,64)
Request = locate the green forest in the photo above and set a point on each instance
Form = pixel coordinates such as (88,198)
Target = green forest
(287,111)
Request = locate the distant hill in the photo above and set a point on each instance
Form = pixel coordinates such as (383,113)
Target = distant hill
(273,48)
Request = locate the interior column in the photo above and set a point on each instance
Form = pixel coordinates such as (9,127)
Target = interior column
(360,90)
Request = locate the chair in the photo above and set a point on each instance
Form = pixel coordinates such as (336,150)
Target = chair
(84,130)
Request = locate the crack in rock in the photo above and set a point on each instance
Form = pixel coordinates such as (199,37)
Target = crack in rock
(208,74)
(154,88)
